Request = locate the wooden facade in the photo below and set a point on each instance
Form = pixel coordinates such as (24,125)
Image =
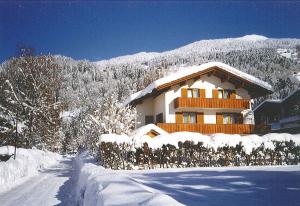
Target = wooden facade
(183,102)
(208,128)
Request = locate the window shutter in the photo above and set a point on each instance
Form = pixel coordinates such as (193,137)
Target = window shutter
(183,92)
(215,93)
(219,117)
(233,95)
(202,93)
(178,117)
(200,118)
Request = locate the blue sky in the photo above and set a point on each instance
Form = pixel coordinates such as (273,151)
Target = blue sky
(100,30)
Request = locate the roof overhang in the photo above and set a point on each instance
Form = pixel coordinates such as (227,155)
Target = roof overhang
(255,87)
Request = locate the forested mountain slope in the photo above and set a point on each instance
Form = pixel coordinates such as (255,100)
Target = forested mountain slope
(256,55)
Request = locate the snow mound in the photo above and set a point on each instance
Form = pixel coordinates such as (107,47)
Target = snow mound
(99,186)
(184,71)
(253,37)
(28,163)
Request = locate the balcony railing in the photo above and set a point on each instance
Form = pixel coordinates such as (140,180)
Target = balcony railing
(183,102)
(208,128)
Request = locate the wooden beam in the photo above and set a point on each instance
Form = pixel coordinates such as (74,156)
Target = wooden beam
(182,83)
(196,78)
(241,85)
(227,78)
(211,73)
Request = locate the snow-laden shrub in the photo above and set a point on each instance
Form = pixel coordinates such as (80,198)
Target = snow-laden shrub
(274,151)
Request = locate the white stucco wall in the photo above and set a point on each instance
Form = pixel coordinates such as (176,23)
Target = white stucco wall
(143,109)
(210,117)
(159,106)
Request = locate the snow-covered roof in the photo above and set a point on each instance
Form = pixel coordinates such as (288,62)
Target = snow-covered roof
(275,101)
(185,71)
(147,128)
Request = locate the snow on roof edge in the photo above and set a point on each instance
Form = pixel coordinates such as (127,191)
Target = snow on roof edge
(194,69)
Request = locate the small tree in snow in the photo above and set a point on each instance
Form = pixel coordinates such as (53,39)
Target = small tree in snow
(110,116)
(113,117)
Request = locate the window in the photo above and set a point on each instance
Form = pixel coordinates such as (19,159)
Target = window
(149,119)
(193,93)
(189,117)
(190,93)
(232,118)
(227,119)
(220,93)
(226,93)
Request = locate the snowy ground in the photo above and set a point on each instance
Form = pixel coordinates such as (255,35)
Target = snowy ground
(53,186)
(81,182)
(226,186)
(28,163)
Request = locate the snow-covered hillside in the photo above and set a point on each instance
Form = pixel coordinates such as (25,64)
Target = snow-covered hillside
(206,46)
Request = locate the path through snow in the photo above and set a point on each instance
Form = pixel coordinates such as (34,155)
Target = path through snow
(52,186)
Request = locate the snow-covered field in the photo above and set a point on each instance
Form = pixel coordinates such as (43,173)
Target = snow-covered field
(259,186)
(27,164)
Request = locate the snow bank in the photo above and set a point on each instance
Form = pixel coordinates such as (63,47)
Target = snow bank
(28,163)
(216,140)
(99,186)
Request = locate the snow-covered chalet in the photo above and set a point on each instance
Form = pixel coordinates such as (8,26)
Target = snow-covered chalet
(209,98)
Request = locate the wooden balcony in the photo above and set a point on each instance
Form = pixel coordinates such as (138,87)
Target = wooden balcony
(208,128)
(182,102)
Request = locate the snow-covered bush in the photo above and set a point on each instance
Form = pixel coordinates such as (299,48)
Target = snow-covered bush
(214,151)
